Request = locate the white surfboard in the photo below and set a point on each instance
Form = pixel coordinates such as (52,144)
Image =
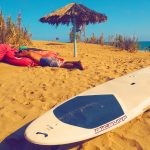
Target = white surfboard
(93,112)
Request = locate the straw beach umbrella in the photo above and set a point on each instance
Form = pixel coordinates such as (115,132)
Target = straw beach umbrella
(76,14)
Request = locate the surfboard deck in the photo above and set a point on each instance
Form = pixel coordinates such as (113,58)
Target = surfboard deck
(93,112)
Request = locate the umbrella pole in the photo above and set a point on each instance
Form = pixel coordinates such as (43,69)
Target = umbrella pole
(75,37)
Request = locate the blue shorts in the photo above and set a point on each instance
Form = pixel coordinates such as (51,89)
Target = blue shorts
(50,61)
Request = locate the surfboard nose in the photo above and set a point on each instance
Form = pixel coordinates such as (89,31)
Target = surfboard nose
(42,130)
(37,134)
(36,137)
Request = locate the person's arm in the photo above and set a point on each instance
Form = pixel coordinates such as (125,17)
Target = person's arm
(31,54)
(35,56)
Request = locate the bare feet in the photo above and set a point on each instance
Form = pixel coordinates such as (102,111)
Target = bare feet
(78,65)
(72,65)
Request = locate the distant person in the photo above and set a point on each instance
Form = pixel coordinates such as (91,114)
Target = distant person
(52,61)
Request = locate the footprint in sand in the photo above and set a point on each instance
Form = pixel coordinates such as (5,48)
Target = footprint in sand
(1,107)
(115,71)
(25,94)
(20,114)
(31,92)
(2,85)
(42,98)
(26,103)
(44,87)
(12,99)
(130,143)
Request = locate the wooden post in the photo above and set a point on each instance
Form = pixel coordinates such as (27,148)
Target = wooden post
(75,37)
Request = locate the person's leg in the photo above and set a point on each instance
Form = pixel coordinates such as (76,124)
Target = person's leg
(35,56)
(78,64)
(67,65)
(72,65)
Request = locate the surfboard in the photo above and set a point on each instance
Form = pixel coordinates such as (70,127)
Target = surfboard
(93,112)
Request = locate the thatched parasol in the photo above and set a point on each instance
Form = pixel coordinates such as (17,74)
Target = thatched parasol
(76,14)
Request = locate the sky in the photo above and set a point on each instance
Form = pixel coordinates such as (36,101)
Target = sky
(126,17)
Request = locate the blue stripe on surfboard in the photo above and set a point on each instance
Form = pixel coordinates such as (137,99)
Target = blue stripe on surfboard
(89,111)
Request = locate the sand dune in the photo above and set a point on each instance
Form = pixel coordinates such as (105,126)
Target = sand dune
(26,93)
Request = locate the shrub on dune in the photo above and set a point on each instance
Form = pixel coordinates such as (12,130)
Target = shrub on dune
(11,33)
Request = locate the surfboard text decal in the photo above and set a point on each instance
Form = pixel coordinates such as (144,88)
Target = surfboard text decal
(110,124)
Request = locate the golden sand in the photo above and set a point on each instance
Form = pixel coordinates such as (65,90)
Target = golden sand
(26,93)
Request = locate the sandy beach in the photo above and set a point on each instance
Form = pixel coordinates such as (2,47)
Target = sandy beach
(28,92)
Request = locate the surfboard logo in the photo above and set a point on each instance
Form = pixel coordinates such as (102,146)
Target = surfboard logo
(44,134)
(110,124)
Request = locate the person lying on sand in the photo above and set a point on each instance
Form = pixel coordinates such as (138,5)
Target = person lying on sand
(52,61)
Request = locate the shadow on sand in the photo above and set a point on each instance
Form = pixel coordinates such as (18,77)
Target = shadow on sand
(35,49)
(17,141)
(55,44)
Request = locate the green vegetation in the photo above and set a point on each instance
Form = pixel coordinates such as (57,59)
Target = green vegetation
(11,33)
(129,44)
(124,43)
(147,49)
(95,40)
(101,39)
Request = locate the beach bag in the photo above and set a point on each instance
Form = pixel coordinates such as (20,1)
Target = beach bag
(22,61)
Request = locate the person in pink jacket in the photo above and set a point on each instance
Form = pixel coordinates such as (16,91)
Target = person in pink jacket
(51,61)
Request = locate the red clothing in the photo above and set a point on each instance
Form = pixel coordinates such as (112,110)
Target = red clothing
(22,61)
(3,50)
(7,54)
